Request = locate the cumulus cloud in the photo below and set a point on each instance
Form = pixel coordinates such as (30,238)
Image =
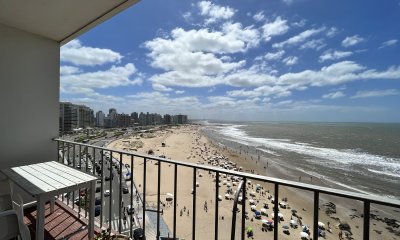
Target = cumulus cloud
(65,70)
(331,32)
(300,38)
(376,93)
(291,60)
(215,12)
(334,55)
(316,44)
(389,43)
(334,95)
(161,88)
(274,55)
(73,52)
(351,41)
(259,16)
(179,92)
(87,81)
(275,28)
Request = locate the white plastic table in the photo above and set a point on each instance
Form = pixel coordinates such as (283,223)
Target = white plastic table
(46,180)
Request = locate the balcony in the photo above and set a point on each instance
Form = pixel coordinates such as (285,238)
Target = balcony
(137,180)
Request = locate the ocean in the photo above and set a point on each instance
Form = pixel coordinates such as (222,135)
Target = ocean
(361,157)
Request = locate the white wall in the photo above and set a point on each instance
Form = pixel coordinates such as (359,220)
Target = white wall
(29,97)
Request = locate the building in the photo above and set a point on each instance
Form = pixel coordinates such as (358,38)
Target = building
(123,120)
(85,116)
(68,117)
(135,117)
(100,116)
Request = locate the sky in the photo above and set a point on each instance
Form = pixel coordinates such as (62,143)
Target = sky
(270,60)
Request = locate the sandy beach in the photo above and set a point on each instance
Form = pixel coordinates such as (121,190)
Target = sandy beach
(186,143)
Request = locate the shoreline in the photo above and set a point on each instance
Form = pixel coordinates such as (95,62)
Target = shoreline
(183,144)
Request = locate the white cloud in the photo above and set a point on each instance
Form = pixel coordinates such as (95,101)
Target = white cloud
(288,2)
(66,70)
(274,55)
(187,16)
(300,38)
(300,23)
(73,52)
(275,28)
(388,43)
(331,32)
(161,88)
(259,16)
(113,77)
(351,41)
(179,92)
(334,95)
(291,60)
(376,93)
(334,55)
(273,91)
(316,44)
(214,12)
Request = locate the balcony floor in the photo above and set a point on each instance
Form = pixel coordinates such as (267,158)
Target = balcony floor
(59,224)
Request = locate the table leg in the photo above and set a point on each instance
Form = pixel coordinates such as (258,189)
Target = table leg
(52,200)
(40,218)
(91,208)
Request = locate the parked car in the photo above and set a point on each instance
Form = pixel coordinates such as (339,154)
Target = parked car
(130,210)
(125,190)
(97,201)
(97,210)
(107,193)
(138,234)
(107,178)
(98,189)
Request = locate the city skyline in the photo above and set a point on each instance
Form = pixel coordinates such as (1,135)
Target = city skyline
(262,61)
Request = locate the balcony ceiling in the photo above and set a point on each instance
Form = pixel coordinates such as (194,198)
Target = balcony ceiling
(59,20)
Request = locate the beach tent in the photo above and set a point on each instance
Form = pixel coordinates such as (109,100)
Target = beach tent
(253,207)
(303,235)
(321,225)
(264,221)
(263,211)
(197,184)
(227,196)
(169,197)
(293,223)
(253,194)
(251,201)
(219,197)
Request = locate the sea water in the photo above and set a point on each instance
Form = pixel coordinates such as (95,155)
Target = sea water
(362,157)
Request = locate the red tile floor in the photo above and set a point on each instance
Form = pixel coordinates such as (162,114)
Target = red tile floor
(63,223)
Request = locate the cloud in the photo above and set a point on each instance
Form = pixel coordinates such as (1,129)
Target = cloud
(300,38)
(389,43)
(351,41)
(214,12)
(66,70)
(179,92)
(331,32)
(273,91)
(291,60)
(334,95)
(376,93)
(316,44)
(275,28)
(334,55)
(259,16)
(274,55)
(161,88)
(113,77)
(300,23)
(73,52)
(287,2)
(187,16)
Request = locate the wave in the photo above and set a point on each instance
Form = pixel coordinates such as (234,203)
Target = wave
(334,157)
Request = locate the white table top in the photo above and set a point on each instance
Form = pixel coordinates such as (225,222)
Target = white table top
(47,177)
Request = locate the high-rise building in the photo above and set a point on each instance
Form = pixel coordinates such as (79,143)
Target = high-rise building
(85,116)
(100,116)
(135,117)
(74,116)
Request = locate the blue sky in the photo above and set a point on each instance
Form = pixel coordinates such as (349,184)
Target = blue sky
(277,60)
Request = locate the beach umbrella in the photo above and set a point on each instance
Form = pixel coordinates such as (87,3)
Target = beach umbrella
(280,215)
(240,199)
(264,221)
(285,227)
(263,211)
(197,184)
(253,194)
(227,196)
(219,197)
(228,184)
(321,224)
(224,182)
(257,213)
(249,182)
(293,222)
(303,235)
(253,207)
(251,201)
(258,185)
(294,211)
(282,204)
(270,222)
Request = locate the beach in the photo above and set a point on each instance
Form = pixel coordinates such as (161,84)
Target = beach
(187,143)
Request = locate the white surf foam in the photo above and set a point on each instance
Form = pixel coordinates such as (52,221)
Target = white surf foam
(330,155)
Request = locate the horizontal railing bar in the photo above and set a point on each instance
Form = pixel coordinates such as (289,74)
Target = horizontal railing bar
(304,186)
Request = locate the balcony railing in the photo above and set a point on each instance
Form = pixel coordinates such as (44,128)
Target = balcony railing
(93,155)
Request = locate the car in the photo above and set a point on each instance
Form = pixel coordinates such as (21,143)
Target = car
(130,210)
(125,190)
(97,210)
(107,178)
(138,234)
(107,193)
(97,201)
(98,189)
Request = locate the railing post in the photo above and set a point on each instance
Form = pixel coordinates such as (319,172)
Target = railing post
(276,211)
(367,206)
(111,190)
(175,196)
(158,198)
(316,215)
(194,204)
(120,194)
(131,176)
(144,196)
(244,208)
(216,205)
(103,204)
